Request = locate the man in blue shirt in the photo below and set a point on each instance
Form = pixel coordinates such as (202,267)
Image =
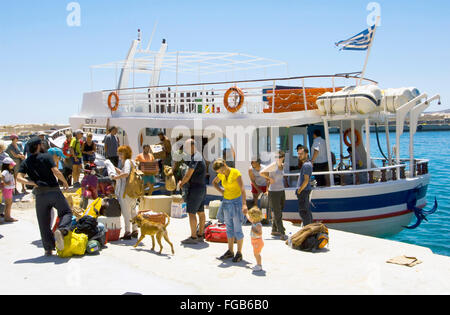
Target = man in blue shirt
(303,191)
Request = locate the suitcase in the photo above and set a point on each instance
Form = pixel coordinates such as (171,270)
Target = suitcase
(216,233)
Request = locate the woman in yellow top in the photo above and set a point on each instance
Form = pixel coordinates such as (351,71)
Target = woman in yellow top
(234,206)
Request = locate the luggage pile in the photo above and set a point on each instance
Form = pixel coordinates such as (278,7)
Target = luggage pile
(312,237)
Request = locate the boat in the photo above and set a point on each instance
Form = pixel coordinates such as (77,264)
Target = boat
(255,117)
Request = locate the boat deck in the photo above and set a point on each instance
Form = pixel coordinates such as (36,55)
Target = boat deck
(353,264)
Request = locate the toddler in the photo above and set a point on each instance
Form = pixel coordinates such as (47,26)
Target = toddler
(8,187)
(254,215)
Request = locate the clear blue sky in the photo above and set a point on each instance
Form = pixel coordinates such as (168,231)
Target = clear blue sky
(45,63)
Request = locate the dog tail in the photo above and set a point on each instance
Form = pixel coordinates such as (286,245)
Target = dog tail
(168,220)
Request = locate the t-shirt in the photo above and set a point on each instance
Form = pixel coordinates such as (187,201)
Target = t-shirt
(278,176)
(198,178)
(38,167)
(12,149)
(76,146)
(306,169)
(230,184)
(8,177)
(112,144)
(320,146)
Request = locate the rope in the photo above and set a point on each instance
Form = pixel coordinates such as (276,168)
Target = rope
(378,141)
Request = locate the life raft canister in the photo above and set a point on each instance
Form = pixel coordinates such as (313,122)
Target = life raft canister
(237,105)
(116,104)
(347,135)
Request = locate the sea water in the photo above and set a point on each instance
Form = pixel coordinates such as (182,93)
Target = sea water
(434,146)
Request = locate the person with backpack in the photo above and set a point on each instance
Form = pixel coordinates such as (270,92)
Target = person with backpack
(127,204)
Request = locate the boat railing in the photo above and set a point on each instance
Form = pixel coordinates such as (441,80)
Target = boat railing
(260,96)
(373,175)
(59,133)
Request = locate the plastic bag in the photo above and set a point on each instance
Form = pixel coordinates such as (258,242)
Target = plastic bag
(74,244)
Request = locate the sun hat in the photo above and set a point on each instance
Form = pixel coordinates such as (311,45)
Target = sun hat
(14,136)
(57,151)
(41,133)
(9,161)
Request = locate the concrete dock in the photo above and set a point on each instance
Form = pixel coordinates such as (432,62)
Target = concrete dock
(352,264)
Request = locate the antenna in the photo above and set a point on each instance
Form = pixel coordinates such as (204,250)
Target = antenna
(151,38)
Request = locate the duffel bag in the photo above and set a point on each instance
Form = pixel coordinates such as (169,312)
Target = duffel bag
(74,244)
(216,233)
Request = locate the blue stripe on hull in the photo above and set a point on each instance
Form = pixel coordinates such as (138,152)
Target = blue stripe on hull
(350,204)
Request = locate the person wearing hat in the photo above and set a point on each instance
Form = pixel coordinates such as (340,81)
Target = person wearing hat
(9,185)
(44,144)
(43,174)
(17,156)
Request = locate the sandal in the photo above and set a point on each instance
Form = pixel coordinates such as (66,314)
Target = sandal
(135,234)
(126,236)
(238,257)
(10,220)
(228,254)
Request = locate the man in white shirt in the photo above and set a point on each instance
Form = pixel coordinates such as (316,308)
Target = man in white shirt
(319,158)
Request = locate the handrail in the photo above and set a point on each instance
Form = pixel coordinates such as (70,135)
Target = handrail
(340,75)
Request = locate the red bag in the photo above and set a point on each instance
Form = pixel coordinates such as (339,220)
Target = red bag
(216,233)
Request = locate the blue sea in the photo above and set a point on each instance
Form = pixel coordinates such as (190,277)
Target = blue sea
(434,146)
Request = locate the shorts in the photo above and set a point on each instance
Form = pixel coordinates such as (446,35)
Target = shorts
(258,245)
(195,200)
(149,179)
(7,193)
(263,189)
(80,160)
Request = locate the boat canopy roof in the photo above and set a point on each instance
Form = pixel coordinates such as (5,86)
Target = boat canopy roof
(194,62)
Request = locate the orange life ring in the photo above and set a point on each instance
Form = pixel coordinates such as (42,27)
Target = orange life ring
(116,105)
(237,106)
(357,135)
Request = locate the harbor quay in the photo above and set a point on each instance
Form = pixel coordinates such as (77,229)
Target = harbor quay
(351,264)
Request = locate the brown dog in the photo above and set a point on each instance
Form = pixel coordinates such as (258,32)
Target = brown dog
(171,185)
(152,228)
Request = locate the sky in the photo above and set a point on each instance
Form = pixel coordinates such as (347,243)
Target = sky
(45,61)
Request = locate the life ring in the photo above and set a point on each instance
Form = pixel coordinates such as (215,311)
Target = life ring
(116,105)
(357,135)
(237,106)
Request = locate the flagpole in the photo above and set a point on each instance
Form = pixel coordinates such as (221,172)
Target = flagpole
(368,50)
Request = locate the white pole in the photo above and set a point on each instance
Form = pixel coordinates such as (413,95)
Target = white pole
(369,161)
(352,128)
(368,51)
(327,141)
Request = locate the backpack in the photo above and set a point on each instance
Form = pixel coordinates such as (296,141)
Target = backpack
(112,208)
(135,183)
(216,233)
(87,225)
(311,238)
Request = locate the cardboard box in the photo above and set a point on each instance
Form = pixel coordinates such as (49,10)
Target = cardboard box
(178,210)
(159,203)
(158,151)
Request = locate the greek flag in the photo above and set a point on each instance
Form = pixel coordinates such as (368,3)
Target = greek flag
(360,41)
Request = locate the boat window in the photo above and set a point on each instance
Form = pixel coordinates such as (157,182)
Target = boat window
(153,132)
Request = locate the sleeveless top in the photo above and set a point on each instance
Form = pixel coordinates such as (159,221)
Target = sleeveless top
(252,234)
(259,180)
